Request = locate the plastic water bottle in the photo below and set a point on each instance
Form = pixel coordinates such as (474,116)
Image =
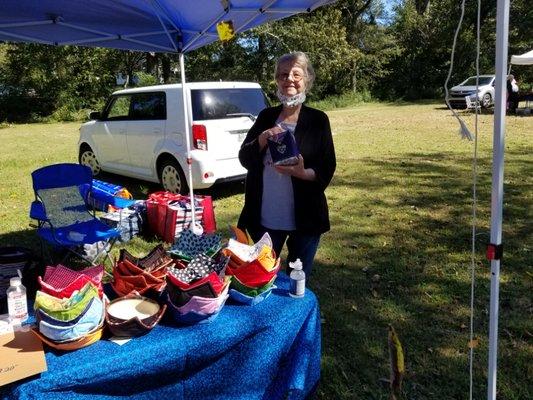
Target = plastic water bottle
(17,304)
(297,279)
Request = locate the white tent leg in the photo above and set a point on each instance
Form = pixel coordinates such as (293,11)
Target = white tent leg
(187,138)
(502,33)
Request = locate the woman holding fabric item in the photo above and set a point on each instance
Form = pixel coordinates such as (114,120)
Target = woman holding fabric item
(288,202)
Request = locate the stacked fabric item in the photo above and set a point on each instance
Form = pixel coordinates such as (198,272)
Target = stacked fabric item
(196,288)
(183,210)
(130,221)
(253,269)
(169,214)
(145,276)
(70,307)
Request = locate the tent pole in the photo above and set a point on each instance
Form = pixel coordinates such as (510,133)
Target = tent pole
(187,138)
(502,33)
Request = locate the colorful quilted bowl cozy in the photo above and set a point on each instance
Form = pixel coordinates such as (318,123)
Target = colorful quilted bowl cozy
(89,320)
(128,268)
(212,279)
(241,253)
(124,285)
(204,305)
(180,297)
(85,341)
(60,276)
(62,282)
(128,278)
(250,300)
(254,274)
(192,315)
(65,309)
(190,245)
(133,315)
(247,290)
(155,260)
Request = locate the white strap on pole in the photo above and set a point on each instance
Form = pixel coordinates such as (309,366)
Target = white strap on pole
(502,34)
(187,138)
(474,209)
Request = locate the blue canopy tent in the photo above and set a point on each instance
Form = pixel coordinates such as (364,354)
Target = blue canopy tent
(174,26)
(143,25)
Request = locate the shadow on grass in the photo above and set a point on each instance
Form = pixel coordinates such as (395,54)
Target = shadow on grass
(25,238)
(406,261)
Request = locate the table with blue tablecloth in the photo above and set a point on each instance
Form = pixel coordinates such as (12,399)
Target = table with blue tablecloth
(267,351)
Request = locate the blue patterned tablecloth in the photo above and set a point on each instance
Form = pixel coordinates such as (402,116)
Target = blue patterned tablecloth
(268,351)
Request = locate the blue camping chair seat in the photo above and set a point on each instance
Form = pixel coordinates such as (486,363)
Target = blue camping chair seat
(60,207)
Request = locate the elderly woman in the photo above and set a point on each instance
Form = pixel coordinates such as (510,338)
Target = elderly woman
(288,202)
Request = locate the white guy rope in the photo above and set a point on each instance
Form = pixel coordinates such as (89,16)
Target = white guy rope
(474,209)
(463,130)
(465,133)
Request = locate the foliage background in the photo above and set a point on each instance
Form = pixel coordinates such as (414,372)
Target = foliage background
(364,48)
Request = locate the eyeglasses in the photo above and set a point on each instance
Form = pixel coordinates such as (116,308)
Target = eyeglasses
(296,76)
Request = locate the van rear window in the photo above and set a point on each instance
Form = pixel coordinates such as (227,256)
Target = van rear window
(226,103)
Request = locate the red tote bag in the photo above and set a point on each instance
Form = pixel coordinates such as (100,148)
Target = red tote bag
(162,219)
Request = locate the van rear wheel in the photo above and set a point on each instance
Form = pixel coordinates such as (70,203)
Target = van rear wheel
(88,158)
(172,177)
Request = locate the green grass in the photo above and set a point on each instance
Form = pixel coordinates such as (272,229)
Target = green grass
(401,209)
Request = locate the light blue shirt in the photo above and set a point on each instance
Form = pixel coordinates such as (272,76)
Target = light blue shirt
(277,206)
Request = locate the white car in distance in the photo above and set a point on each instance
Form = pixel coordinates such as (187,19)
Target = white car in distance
(141,133)
(485,92)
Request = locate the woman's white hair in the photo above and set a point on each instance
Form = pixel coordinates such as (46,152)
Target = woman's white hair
(300,59)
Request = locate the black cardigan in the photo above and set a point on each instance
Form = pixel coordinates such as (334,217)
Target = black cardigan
(313,136)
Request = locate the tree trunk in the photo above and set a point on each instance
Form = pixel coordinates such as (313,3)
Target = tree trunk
(354,77)
(151,62)
(165,65)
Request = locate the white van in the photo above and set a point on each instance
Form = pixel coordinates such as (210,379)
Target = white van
(140,133)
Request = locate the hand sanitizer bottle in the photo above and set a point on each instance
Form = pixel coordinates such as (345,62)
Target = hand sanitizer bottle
(297,279)
(17,304)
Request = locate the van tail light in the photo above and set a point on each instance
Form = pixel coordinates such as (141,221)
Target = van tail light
(199,137)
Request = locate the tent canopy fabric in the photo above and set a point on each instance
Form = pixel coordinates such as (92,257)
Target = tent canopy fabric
(142,25)
(523,59)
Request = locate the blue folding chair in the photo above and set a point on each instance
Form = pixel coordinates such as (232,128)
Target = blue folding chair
(64,219)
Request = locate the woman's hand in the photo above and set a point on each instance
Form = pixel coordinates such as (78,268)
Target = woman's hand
(298,170)
(262,138)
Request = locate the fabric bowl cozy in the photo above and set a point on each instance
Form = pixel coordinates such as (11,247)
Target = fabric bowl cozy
(180,297)
(204,305)
(133,315)
(87,323)
(191,317)
(85,341)
(247,290)
(253,274)
(248,300)
(67,291)
(154,260)
(213,279)
(65,309)
(60,276)
(189,245)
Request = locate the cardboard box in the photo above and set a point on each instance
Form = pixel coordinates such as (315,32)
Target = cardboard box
(21,355)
